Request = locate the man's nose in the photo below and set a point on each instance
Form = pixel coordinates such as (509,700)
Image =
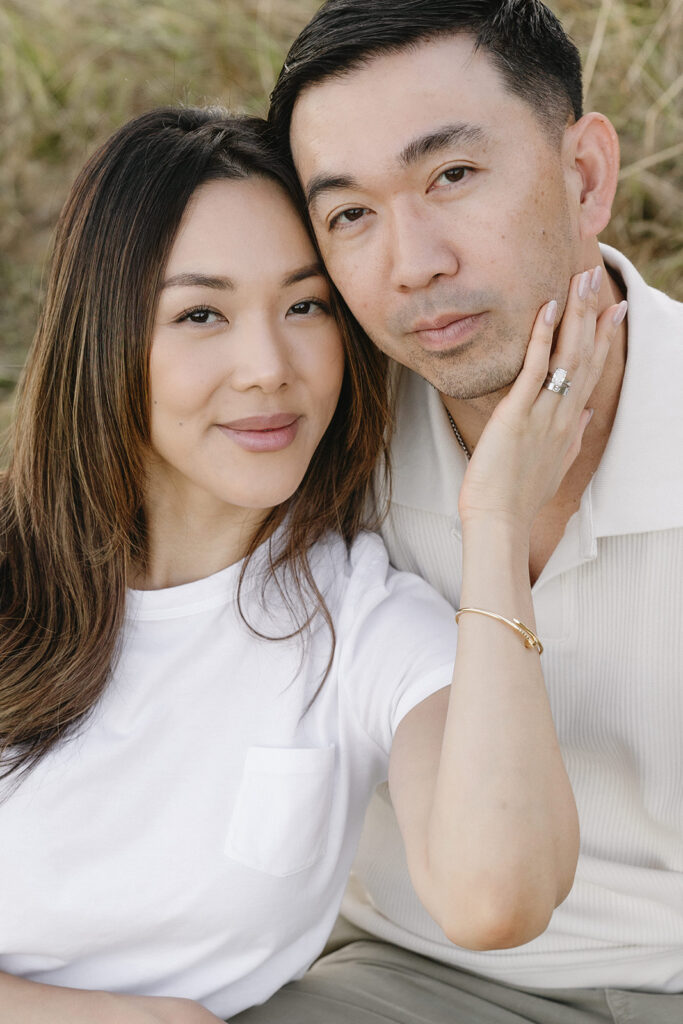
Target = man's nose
(263,359)
(420,248)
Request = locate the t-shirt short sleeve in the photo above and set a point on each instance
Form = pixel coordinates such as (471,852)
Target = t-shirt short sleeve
(396,638)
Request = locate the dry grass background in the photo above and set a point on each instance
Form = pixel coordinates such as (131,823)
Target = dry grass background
(73,70)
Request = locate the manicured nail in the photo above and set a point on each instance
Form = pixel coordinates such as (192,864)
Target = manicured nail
(619,313)
(596,279)
(550,314)
(584,284)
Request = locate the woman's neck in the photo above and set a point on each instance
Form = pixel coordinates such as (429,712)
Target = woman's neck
(189,540)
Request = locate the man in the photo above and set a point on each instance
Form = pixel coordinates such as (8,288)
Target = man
(454,185)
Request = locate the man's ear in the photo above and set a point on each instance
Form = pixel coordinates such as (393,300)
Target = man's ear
(590,150)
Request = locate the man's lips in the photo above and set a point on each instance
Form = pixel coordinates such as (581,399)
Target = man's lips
(445,331)
(269,433)
(434,323)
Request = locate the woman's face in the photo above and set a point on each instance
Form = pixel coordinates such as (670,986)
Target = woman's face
(246,362)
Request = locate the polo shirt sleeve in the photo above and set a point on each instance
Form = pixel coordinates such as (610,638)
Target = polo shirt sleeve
(396,640)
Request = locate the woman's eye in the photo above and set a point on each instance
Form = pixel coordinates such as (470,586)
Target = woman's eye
(350,216)
(452,175)
(200,315)
(308,307)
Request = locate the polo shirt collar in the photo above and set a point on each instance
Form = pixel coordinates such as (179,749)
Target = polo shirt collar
(638,486)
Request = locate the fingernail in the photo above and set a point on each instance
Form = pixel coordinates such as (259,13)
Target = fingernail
(550,314)
(590,415)
(584,284)
(619,313)
(596,279)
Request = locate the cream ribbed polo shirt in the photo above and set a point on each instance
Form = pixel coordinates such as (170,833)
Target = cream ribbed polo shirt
(609,609)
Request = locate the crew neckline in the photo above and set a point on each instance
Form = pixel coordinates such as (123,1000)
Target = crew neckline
(218,588)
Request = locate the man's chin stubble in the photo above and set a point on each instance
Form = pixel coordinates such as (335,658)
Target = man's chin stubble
(465,377)
(469,391)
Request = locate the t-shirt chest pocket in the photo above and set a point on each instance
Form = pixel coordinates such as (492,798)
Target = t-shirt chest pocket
(280,820)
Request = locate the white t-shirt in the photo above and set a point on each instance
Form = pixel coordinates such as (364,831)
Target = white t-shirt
(195,838)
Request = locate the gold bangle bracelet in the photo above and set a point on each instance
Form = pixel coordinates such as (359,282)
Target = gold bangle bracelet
(528,636)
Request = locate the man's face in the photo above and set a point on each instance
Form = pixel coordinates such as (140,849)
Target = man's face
(440,206)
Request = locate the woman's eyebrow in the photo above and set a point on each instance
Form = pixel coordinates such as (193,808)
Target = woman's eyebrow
(441,138)
(188,280)
(303,273)
(199,280)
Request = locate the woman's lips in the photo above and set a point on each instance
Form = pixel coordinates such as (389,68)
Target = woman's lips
(262,433)
(446,332)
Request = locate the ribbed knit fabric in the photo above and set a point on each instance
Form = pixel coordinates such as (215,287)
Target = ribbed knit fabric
(609,609)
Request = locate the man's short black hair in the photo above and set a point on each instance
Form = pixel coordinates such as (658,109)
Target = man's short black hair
(523,39)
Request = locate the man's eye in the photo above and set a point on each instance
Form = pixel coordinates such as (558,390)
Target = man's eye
(200,315)
(453,174)
(350,216)
(308,307)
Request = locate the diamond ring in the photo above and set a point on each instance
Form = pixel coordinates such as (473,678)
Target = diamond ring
(557,382)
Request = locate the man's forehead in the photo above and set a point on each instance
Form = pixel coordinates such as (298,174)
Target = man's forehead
(358,127)
(404,96)
(461,47)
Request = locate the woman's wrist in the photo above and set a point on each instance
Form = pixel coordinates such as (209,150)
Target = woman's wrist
(502,531)
(496,568)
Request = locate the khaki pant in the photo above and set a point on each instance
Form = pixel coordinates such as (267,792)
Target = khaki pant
(369,982)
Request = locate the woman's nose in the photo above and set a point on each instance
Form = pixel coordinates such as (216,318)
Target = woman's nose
(264,359)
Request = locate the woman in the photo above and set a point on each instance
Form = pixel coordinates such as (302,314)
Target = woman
(205,662)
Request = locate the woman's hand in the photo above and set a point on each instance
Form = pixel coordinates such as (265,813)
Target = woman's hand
(534,435)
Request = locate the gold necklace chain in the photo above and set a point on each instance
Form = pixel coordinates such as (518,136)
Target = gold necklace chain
(458,436)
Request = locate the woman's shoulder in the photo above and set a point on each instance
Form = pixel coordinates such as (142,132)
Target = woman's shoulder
(334,561)
(359,576)
(395,636)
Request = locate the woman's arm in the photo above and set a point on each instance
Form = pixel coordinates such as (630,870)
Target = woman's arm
(29,1002)
(477,779)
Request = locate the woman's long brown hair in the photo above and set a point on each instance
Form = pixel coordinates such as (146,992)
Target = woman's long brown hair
(72,526)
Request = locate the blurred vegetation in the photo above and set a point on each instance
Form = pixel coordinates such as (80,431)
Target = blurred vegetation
(73,70)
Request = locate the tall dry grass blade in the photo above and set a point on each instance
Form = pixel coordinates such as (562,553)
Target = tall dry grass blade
(667,17)
(650,161)
(656,109)
(596,45)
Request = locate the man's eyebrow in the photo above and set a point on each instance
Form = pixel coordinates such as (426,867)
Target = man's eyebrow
(423,145)
(328,183)
(441,138)
(199,280)
(303,273)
